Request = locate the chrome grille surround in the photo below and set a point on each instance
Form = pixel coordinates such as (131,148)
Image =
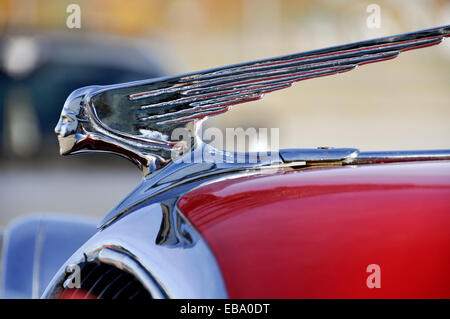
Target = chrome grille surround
(159,247)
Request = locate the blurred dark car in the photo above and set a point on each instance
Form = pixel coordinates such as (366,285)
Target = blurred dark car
(39,71)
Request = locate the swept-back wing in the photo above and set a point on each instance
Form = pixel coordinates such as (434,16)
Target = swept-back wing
(196,95)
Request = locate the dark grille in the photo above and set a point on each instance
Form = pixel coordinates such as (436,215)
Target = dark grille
(103,281)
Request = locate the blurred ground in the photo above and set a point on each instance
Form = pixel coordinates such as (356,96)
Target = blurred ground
(72,187)
(398,104)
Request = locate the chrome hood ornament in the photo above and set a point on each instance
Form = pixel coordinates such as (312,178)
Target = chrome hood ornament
(143,120)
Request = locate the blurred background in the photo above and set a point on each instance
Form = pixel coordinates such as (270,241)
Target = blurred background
(400,104)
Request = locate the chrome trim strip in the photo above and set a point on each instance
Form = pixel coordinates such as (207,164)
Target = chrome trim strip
(400,156)
(318,154)
(37,256)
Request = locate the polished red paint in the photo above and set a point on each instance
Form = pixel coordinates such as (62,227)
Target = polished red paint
(312,233)
(76,294)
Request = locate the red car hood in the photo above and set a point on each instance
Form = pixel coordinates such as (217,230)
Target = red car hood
(313,233)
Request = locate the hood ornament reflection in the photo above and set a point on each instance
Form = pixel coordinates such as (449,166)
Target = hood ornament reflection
(143,120)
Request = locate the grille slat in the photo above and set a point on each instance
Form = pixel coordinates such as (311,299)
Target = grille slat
(137,294)
(108,286)
(100,279)
(119,293)
(104,281)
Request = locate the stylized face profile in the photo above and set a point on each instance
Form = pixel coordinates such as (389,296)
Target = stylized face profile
(67,126)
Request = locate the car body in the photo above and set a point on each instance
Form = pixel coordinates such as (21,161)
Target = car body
(295,223)
(313,233)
